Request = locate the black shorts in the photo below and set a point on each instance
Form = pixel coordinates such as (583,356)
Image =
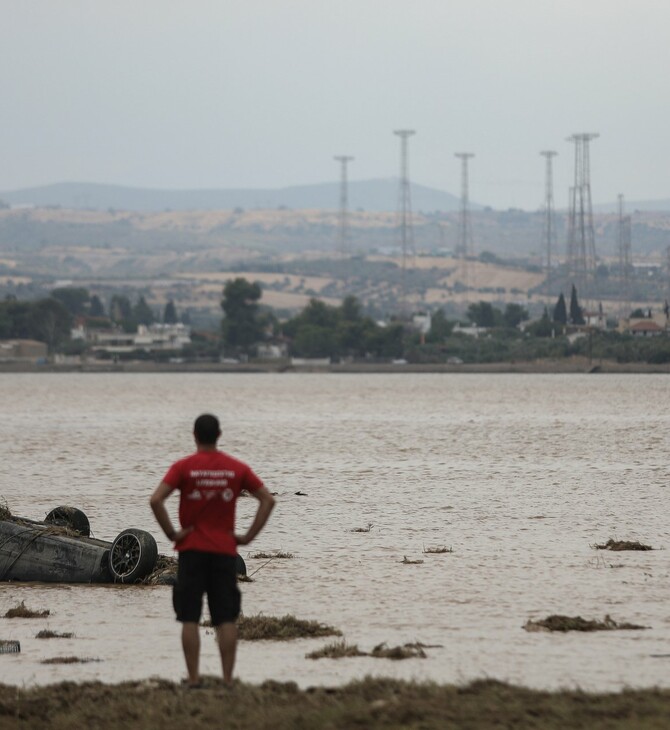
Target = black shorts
(209,573)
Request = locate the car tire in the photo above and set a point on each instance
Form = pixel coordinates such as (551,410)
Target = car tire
(132,556)
(69,517)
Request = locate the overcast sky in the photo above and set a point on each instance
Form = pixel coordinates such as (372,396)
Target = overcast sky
(263,93)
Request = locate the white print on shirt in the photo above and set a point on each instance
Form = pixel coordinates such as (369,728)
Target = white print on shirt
(211,482)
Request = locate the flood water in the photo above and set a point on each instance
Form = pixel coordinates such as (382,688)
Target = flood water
(520,474)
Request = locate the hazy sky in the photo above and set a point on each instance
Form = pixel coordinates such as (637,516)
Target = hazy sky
(263,93)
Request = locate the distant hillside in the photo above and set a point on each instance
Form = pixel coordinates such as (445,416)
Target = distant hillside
(369,195)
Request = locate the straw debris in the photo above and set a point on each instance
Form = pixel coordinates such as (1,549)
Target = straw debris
(5,513)
(406,561)
(438,550)
(406,651)
(68,660)
(577,623)
(336,650)
(275,628)
(339,649)
(266,556)
(47,634)
(618,545)
(22,611)
(367,528)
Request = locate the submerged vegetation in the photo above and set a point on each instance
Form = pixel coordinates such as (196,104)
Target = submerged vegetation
(577,623)
(279,555)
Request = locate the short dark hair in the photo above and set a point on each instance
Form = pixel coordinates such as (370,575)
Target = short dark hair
(206,429)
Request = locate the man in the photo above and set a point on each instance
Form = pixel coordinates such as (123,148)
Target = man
(209,482)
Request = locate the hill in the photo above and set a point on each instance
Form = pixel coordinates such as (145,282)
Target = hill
(369,195)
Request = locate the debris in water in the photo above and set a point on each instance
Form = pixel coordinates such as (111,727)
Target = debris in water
(22,611)
(265,556)
(623,545)
(47,634)
(300,494)
(284,628)
(406,651)
(367,528)
(8,646)
(577,623)
(68,660)
(438,550)
(406,561)
(336,650)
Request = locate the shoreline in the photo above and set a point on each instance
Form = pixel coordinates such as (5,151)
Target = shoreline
(558,367)
(372,703)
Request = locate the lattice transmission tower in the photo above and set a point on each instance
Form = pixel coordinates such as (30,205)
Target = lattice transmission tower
(344,237)
(581,234)
(549,233)
(465,246)
(625,263)
(405,209)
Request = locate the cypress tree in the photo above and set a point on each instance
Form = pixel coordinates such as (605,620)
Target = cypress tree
(576,316)
(560,312)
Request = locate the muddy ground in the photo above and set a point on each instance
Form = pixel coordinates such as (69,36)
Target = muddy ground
(371,703)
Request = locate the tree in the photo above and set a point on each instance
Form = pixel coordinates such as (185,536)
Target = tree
(97,308)
(142,312)
(483,314)
(170,313)
(120,308)
(74,299)
(576,316)
(514,314)
(560,311)
(241,327)
(440,327)
(542,327)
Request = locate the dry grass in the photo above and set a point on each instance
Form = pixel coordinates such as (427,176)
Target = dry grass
(406,561)
(577,623)
(336,650)
(22,611)
(369,703)
(279,554)
(68,660)
(5,512)
(47,634)
(618,545)
(437,550)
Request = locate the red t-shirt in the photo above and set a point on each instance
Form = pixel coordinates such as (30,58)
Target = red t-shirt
(210,483)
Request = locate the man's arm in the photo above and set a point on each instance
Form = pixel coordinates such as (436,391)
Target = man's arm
(266,503)
(157,502)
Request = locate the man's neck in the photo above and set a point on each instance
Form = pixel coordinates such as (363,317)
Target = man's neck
(206,447)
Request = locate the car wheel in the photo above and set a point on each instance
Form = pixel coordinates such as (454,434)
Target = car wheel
(133,556)
(70,517)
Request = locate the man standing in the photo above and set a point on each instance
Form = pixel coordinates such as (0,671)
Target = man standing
(209,482)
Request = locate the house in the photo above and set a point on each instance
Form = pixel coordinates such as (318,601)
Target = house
(151,338)
(646,328)
(22,351)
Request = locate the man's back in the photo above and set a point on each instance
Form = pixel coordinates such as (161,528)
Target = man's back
(210,483)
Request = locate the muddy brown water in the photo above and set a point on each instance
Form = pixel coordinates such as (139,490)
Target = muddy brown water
(519,474)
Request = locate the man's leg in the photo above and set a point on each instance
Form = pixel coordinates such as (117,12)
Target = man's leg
(227,638)
(190,641)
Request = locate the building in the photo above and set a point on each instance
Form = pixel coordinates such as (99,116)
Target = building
(152,338)
(22,351)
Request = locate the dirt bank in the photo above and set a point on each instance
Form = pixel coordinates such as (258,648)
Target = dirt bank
(371,703)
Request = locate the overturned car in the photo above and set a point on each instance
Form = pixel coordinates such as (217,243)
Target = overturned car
(60,550)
